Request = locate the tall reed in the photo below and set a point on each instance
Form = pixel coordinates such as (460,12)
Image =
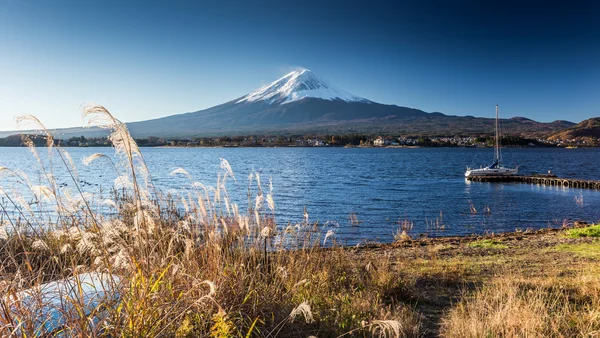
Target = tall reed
(187,264)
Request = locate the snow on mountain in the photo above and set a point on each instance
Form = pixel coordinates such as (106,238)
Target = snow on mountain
(298,85)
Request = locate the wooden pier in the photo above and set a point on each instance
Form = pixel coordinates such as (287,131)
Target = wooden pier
(551,180)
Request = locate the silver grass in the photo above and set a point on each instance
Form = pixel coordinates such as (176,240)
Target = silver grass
(140,219)
(23,177)
(65,154)
(111,231)
(84,196)
(185,225)
(304,310)
(74,233)
(212,289)
(227,167)
(22,203)
(125,146)
(327,235)
(189,248)
(198,184)
(179,171)
(240,222)
(283,271)
(226,200)
(122,141)
(58,234)
(258,202)
(250,178)
(31,147)
(86,243)
(43,192)
(185,204)
(225,227)
(121,260)
(7,171)
(28,121)
(305,215)
(257,218)
(258,185)
(65,248)
(89,159)
(386,328)
(110,203)
(40,245)
(270,202)
(150,222)
(202,207)
(123,182)
(265,232)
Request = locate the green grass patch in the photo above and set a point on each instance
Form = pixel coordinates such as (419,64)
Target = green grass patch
(581,249)
(591,231)
(488,244)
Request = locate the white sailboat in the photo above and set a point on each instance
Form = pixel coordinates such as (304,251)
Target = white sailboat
(496,169)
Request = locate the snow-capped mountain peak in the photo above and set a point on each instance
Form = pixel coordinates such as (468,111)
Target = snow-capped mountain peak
(298,85)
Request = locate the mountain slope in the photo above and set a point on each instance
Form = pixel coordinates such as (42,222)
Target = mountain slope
(587,128)
(253,117)
(302,102)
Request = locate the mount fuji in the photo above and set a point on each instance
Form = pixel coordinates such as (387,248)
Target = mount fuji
(299,85)
(301,102)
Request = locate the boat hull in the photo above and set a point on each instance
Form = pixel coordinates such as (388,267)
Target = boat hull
(491,172)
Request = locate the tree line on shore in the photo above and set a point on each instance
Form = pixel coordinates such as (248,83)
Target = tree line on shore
(311,140)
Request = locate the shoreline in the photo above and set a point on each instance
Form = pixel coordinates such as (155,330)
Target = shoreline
(350,147)
(424,241)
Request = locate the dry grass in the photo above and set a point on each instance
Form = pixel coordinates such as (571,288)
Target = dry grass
(510,306)
(488,244)
(189,265)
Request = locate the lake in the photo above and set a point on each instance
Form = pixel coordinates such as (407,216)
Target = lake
(363,194)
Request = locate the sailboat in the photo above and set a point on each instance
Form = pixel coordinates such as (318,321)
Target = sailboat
(496,168)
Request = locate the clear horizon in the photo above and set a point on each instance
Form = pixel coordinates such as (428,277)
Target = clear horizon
(144,60)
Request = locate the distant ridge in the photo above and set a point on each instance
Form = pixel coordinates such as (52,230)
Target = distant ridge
(301,102)
(587,128)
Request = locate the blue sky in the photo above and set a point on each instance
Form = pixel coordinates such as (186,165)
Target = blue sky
(149,59)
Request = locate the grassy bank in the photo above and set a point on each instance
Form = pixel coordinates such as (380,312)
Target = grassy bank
(195,264)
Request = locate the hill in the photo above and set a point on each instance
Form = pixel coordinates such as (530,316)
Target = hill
(587,128)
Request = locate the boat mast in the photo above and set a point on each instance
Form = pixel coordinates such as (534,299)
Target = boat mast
(497,150)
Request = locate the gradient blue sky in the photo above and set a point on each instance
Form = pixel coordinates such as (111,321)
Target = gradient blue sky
(149,59)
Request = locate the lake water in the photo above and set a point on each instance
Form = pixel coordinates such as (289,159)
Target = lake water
(363,194)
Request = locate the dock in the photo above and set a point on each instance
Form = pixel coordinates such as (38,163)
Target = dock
(542,179)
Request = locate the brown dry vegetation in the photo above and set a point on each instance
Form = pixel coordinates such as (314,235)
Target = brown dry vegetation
(198,266)
(529,284)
